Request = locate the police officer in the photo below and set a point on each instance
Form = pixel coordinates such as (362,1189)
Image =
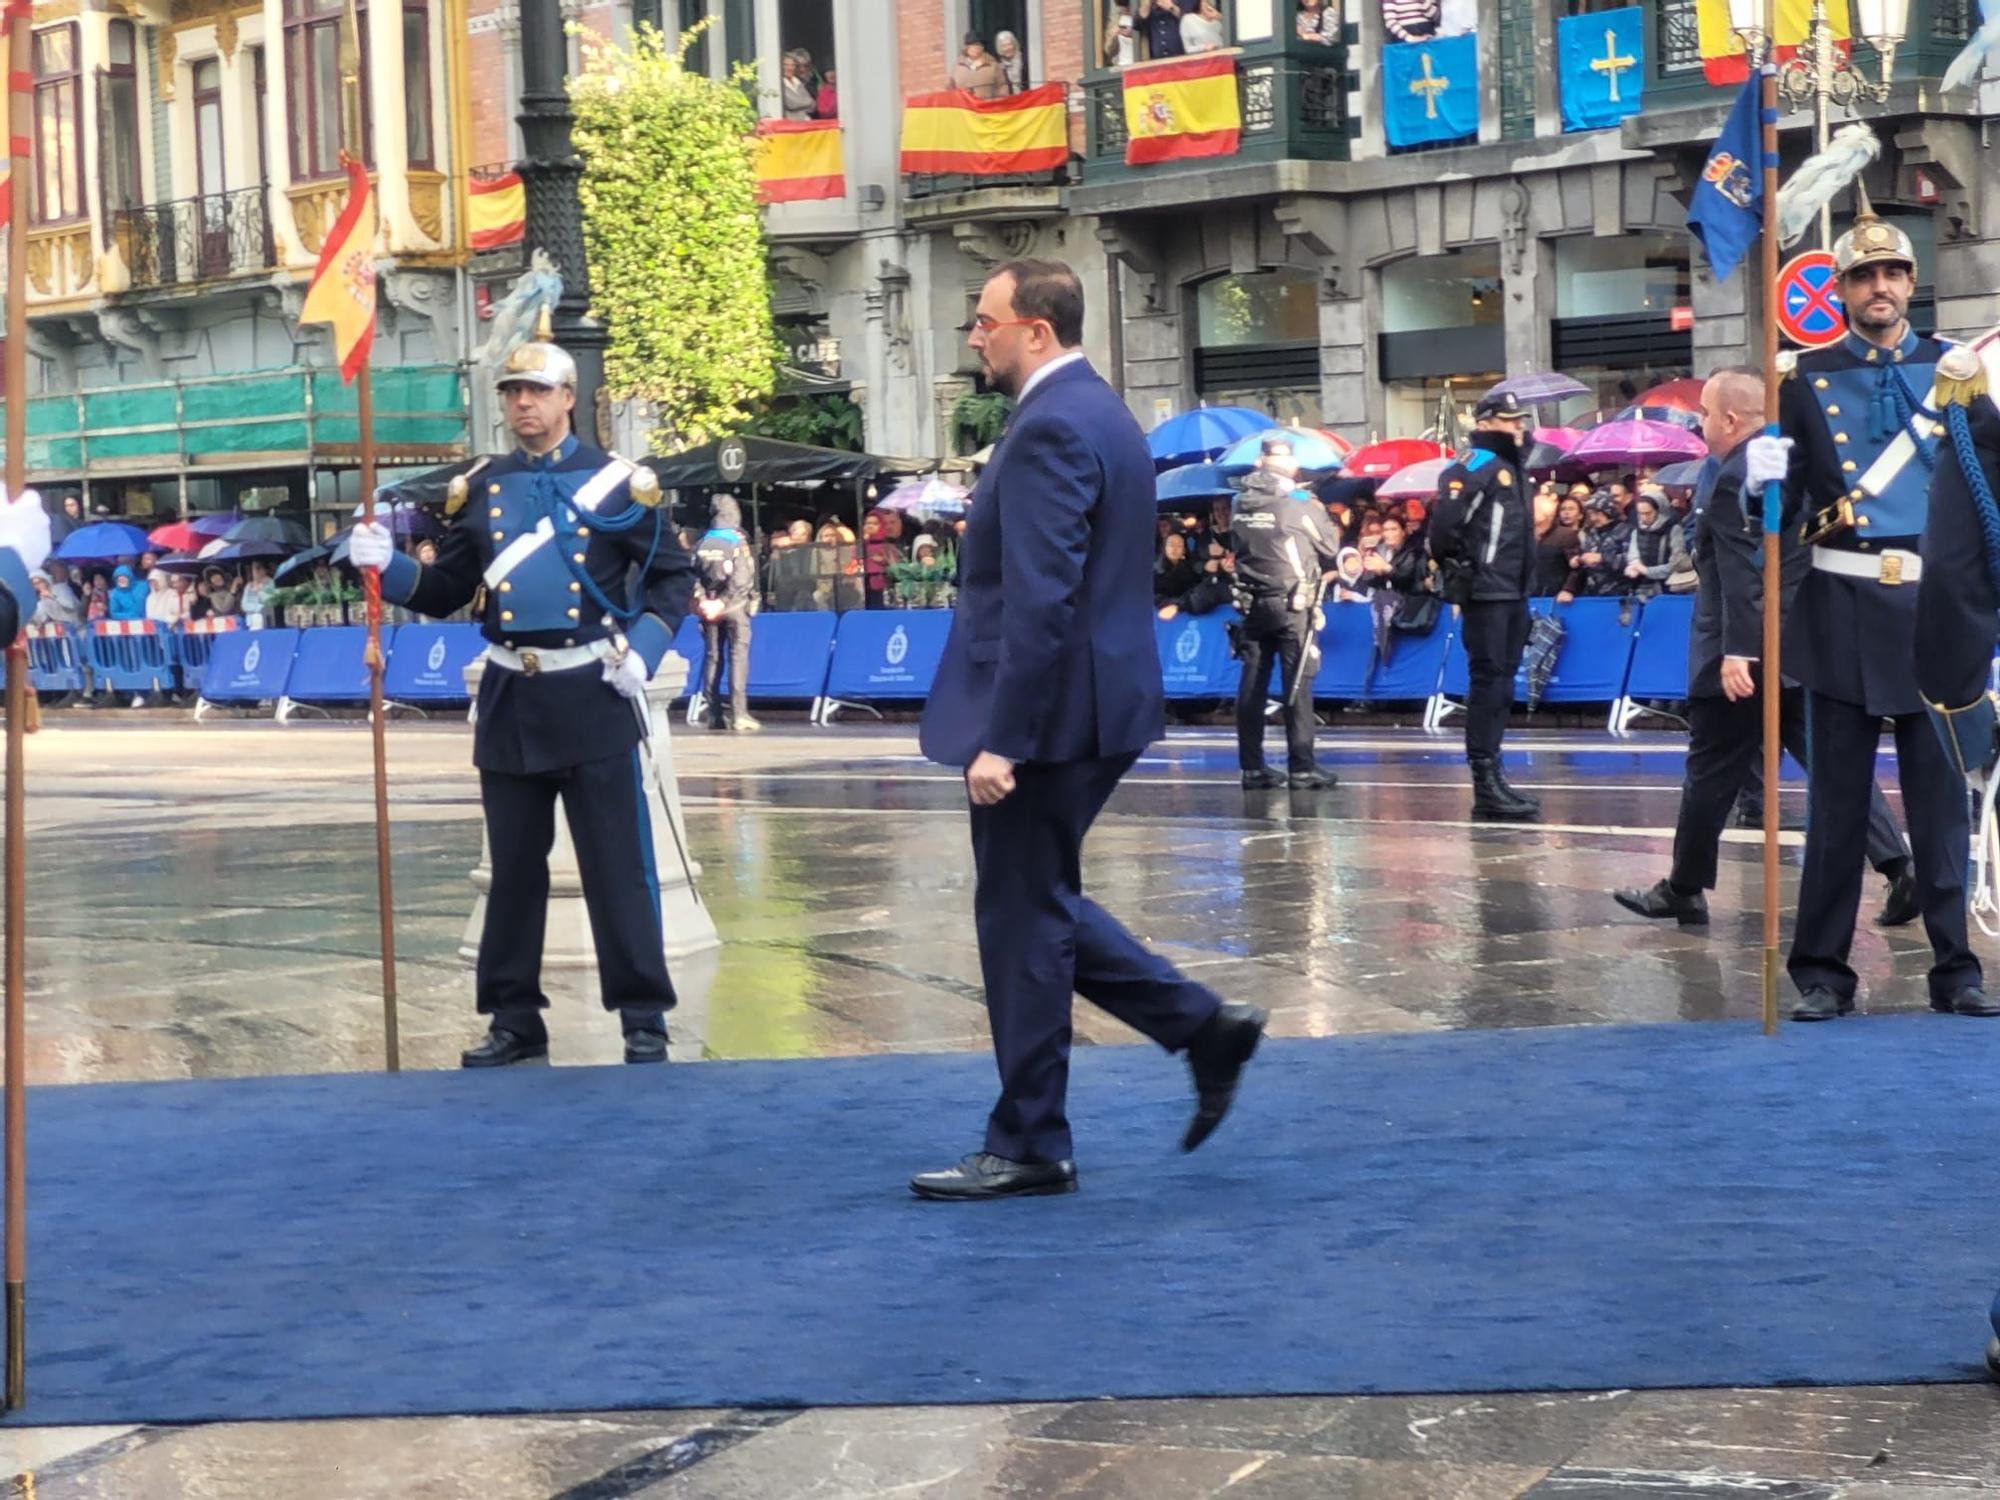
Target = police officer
(1858,445)
(725,571)
(1283,547)
(545,539)
(1482,534)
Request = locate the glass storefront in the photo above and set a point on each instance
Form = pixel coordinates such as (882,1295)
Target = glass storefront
(1613,328)
(1443,338)
(1257,343)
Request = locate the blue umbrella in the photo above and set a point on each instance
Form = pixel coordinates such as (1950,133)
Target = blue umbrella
(1313,453)
(1192,484)
(1684,475)
(102,540)
(1202,433)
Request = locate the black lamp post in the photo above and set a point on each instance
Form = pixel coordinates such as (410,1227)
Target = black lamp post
(549,176)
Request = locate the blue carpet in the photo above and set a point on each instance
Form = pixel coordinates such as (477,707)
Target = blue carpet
(1562,1209)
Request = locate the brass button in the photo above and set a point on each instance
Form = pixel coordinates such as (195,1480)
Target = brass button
(506,588)
(583,531)
(495,512)
(1840,437)
(492,489)
(1831,411)
(573,614)
(576,556)
(576,588)
(506,616)
(1861,521)
(499,536)
(569,640)
(1848,465)
(1855,493)
(1820,384)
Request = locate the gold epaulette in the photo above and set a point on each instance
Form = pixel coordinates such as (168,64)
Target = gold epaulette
(1961,376)
(645,486)
(460,489)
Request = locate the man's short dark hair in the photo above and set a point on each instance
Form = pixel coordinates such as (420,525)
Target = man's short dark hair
(1050,290)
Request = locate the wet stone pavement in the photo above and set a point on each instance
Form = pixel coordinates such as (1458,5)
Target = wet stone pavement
(202,905)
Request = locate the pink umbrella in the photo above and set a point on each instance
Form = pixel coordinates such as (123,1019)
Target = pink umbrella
(1417,482)
(1634,442)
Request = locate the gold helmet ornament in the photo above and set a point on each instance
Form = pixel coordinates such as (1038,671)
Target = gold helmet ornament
(542,362)
(1871,242)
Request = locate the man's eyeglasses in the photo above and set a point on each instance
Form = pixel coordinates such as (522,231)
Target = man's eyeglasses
(988,324)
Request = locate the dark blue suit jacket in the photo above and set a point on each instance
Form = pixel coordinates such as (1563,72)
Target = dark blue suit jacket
(1052,655)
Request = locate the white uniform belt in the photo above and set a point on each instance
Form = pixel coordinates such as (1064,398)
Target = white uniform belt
(557,659)
(1890,565)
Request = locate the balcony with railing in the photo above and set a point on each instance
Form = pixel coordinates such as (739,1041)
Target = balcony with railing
(189,240)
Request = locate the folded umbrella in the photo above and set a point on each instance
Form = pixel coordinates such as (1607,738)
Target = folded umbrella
(1202,433)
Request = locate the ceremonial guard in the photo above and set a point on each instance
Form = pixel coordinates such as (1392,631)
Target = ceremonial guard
(1858,446)
(543,543)
(1283,548)
(1482,534)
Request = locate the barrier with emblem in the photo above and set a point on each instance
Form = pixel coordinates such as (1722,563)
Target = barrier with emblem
(428,664)
(884,656)
(247,668)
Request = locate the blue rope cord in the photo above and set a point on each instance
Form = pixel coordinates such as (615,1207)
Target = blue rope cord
(565,518)
(1960,427)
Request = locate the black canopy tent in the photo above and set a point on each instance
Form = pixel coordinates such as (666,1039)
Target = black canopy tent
(753,464)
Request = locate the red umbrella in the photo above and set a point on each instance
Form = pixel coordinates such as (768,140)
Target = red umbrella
(1684,395)
(1417,482)
(1340,444)
(180,536)
(1380,460)
(1633,443)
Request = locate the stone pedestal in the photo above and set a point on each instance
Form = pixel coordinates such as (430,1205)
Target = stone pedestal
(568,946)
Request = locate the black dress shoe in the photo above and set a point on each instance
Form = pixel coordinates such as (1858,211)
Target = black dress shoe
(1821,1004)
(502,1048)
(984,1175)
(1749,814)
(1216,1055)
(1262,780)
(645,1046)
(1660,899)
(1970,1001)
(1903,905)
(1315,780)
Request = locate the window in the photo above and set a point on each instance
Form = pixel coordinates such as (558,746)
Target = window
(58,148)
(417,85)
(211,176)
(692,14)
(260,98)
(1677,38)
(118,119)
(312,82)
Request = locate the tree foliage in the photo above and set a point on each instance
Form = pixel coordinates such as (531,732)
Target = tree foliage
(978,420)
(825,420)
(671,227)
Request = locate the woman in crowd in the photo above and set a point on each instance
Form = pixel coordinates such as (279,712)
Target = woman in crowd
(1657,548)
(259,585)
(221,593)
(165,605)
(1350,577)
(796,84)
(878,551)
(1556,544)
(50,609)
(1202,29)
(1013,64)
(67,595)
(1318,22)
(1174,574)
(97,599)
(127,599)
(1598,565)
(978,72)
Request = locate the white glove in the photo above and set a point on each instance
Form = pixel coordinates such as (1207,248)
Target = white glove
(1766,459)
(628,674)
(370,545)
(24,526)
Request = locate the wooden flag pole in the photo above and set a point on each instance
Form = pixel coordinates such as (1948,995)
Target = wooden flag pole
(19,102)
(1773,568)
(371,579)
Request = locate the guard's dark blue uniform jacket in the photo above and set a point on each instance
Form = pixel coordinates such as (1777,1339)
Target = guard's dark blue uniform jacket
(554,541)
(1854,413)
(1957,623)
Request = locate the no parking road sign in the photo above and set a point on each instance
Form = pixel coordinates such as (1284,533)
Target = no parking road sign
(1809,310)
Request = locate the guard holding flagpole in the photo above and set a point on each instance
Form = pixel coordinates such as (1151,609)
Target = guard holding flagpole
(542,543)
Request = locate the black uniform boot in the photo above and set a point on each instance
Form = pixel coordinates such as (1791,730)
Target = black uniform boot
(1492,798)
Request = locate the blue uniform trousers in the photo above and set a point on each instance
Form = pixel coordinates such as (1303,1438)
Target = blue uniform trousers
(605,803)
(1041,940)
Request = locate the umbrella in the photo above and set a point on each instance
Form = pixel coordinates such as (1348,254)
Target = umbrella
(1550,446)
(268,529)
(1671,416)
(180,562)
(1191,484)
(180,536)
(1202,433)
(1634,442)
(1680,476)
(1380,460)
(217,524)
(243,552)
(1418,482)
(1545,638)
(1683,394)
(300,564)
(101,541)
(1539,389)
(1340,444)
(932,496)
(405,518)
(1313,453)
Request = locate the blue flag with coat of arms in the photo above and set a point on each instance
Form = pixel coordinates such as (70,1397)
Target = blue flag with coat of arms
(1430,91)
(1602,61)
(1726,209)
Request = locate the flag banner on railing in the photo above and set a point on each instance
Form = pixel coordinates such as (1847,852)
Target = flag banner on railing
(498,210)
(957,134)
(1430,91)
(1184,107)
(799,160)
(1722,57)
(342,293)
(1602,57)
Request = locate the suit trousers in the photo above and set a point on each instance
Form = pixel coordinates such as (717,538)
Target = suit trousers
(731,633)
(605,803)
(1041,941)
(1842,738)
(1725,752)
(1274,636)
(1495,632)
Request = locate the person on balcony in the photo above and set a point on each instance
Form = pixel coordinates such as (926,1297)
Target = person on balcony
(827,105)
(1013,62)
(1162,22)
(1318,22)
(1202,29)
(1411,20)
(796,88)
(1121,46)
(978,72)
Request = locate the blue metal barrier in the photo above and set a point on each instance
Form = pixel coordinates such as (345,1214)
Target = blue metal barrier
(689,648)
(1659,668)
(1590,667)
(131,656)
(1194,655)
(1415,663)
(884,655)
(1346,651)
(330,667)
(789,656)
(54,664)
(194,642)
(429,661)
(248,667)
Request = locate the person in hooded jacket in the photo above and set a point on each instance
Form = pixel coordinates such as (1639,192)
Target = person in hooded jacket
(1283,547)
(1482,536)
(1655,550)
(127,600)
(725,596)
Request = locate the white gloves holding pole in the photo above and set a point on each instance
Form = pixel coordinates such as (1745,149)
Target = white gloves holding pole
(1766,459)
(369,545)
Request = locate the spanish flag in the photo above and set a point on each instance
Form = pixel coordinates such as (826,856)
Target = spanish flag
(1180,108)
(342,292)
(1722,57)
(800,159)
(955,133)
(498,209)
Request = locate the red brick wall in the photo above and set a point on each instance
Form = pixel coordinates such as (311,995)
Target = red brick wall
(1062,40)
(920,53)
(486,66)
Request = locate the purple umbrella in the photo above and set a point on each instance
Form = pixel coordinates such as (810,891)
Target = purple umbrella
(1550,447)
(215,525)
(1539,389)
(1634,443)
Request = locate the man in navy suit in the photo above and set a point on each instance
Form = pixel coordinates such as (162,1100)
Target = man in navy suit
(1048,690)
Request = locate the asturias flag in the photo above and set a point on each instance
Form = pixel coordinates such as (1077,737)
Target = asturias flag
(1183,107)
(1722,57)
(1430,91)
(1602,56)
(342,293)
(1726,209)
(799,160)
(956,133)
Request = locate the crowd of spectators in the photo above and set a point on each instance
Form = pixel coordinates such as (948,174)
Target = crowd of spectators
(1148,30)
(135,589)
(804,92)
(896,562)
(1625,539)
